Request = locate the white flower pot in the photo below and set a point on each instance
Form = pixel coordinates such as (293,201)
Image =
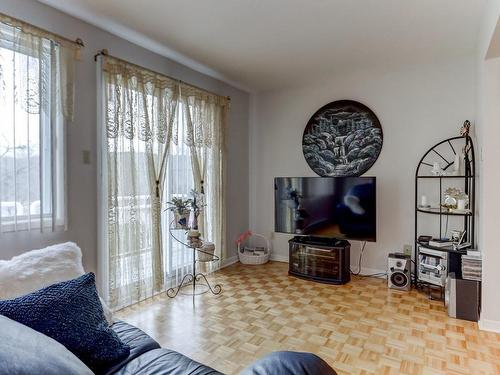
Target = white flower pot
(181,220)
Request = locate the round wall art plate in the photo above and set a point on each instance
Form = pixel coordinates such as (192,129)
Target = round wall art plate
(343,138)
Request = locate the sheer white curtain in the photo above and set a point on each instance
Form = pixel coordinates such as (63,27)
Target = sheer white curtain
(140,109)
(36,98)
(179,183)
(197,161)
(157,147)
(205,117)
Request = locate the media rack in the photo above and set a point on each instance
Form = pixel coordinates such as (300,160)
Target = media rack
(325,260)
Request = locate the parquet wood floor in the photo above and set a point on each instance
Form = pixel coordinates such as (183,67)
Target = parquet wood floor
(359,328)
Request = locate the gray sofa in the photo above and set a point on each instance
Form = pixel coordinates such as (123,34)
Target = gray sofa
(24,351)
(147,357)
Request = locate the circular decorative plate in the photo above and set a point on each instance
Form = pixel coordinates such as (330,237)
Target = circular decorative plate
(343,138)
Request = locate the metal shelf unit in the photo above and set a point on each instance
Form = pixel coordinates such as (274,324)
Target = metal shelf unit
(441,152)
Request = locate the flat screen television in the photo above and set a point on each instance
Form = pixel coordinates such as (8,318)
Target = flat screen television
(335,207)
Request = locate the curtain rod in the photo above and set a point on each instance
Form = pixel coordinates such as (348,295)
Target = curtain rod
(104,52)
(77,41)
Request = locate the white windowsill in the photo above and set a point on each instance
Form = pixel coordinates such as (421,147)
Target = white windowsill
(25,224)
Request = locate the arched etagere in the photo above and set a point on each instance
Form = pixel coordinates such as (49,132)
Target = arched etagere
(434,182)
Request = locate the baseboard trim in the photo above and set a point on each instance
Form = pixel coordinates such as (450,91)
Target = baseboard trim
(367,270)
(489,325)
(234,259)
(284,259)
(279,258)
(229,261)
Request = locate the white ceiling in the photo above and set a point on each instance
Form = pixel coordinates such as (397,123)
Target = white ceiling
(270,44)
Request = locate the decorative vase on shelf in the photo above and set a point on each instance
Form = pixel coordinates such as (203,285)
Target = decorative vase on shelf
(197,202)
(450,202)
(194,220)
(181,219)
(461,204)
(208,251)
(193,238)
(180,208)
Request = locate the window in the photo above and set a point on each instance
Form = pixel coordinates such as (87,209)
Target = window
(31,137)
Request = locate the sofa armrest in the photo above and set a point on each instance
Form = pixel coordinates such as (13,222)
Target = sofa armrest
(139,342)
(165,362)
(289,363)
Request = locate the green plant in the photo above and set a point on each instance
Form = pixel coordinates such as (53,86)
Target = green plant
(179,205)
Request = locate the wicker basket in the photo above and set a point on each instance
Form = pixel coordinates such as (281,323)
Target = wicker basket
(246,255)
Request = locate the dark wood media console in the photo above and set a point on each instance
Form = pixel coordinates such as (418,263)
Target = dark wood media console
(320,259)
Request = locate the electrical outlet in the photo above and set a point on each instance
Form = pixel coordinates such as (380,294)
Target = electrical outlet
(407,249)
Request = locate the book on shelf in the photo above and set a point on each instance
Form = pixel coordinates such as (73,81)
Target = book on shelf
(472,258)
(440,242)
(473,252)
(472,277)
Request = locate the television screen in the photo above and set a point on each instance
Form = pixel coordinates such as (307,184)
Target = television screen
(338,207)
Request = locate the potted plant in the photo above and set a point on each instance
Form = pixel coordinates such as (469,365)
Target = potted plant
(180,208)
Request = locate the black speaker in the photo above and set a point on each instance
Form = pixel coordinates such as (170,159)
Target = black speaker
(462,298)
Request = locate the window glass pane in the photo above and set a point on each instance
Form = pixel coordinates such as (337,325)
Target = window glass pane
(25,135)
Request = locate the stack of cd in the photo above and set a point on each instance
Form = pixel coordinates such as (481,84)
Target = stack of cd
(471,267)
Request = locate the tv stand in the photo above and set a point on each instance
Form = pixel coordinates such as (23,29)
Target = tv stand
(320,259)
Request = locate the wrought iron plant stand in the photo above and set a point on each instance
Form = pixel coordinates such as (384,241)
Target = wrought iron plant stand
(195,278)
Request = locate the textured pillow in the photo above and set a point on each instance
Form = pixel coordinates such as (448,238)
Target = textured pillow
(36,269)
(70,312)
(24,351)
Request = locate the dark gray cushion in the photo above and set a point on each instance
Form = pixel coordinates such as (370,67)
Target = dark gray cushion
(289,363)
(24,351)
(165,362)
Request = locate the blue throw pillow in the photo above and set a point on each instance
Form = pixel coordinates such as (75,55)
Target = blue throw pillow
(70,312)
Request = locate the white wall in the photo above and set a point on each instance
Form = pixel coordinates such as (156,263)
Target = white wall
(488,131)
(417,107)
(82,179)
(489,189)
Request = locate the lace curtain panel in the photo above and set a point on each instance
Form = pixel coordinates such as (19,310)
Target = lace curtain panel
(36,98)
(22,37)
(205,120)
(149,161)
